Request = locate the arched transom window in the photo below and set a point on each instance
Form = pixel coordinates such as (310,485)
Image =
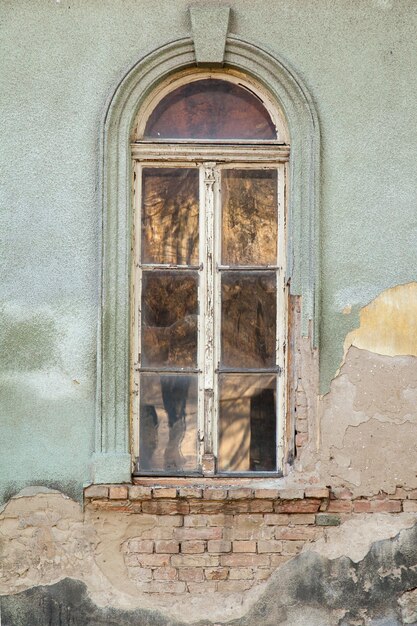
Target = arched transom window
(209,297)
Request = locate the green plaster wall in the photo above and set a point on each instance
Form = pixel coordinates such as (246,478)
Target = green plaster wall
(61,61)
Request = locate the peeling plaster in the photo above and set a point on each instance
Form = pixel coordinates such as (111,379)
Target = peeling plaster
(355,537)
(388,324)
(45,537)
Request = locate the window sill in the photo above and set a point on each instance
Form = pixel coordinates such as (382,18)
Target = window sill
(182,496)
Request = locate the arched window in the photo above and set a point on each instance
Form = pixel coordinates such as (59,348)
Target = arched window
(209,323)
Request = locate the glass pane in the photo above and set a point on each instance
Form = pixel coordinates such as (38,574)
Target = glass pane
(210,109)
(170,216)
(248,319)
(169,319)
(249,217)
(168,422)
(247,423)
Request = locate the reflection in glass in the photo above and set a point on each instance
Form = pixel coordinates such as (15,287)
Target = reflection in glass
(247,423)
(169,319)
(210,109)
(170,216)
(168,422)
(249,217)
(248,319)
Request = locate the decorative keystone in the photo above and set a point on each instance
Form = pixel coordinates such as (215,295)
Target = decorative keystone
(209,27)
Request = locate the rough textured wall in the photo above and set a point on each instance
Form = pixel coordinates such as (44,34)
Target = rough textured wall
(117,564)
(61,62)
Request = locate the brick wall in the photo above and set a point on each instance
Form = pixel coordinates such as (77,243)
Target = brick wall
(226,539)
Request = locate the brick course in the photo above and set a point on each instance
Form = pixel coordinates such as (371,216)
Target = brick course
(208,539)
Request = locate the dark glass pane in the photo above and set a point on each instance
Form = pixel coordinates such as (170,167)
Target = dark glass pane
(170,216)
(169,319)
(168,422)
(210,109)
(247,423)
(248,319)
(249,217)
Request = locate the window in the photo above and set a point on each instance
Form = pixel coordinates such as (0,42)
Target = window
(209,296)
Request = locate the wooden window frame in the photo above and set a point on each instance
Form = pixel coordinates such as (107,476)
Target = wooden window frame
(211,157)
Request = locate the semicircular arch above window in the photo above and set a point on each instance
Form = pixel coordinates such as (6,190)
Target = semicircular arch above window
(211,108)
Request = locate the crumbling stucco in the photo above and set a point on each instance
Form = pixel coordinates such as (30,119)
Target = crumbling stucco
(45,537)
(367,423)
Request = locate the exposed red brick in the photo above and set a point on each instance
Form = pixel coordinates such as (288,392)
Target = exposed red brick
(118,492)
(195,560)
(278,519)
(189,534)
(191,574)
(339,506)
(261,506)
(192,547)
(216,573)
(167,547)
(410,506)
(165,507)
(298,506)
(317,492)
(244,560)
(139,492)
(361,506)
(140,574)
(292,547)
(271,494)
(240,494)
(194,521)
(268,546)
(190,492)
(165,573)
(219,546)
(215,494)
(386,506)
(206,506)
(170,520)
(291,494)
(96,491)
(242,573)
(299,533)
(153,560)
(164,492)
(244,546)
(114,505)
(140,545)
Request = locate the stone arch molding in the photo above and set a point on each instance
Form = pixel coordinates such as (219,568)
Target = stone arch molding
(112,459)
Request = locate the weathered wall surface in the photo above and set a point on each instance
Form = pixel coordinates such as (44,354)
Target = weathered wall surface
(60,65)
(110,565)
(61,62)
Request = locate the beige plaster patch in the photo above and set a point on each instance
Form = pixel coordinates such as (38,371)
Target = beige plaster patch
(388,324)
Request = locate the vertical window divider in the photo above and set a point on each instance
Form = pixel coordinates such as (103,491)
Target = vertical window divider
(208,464)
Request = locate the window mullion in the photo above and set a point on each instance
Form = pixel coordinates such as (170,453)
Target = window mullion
(208,348)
